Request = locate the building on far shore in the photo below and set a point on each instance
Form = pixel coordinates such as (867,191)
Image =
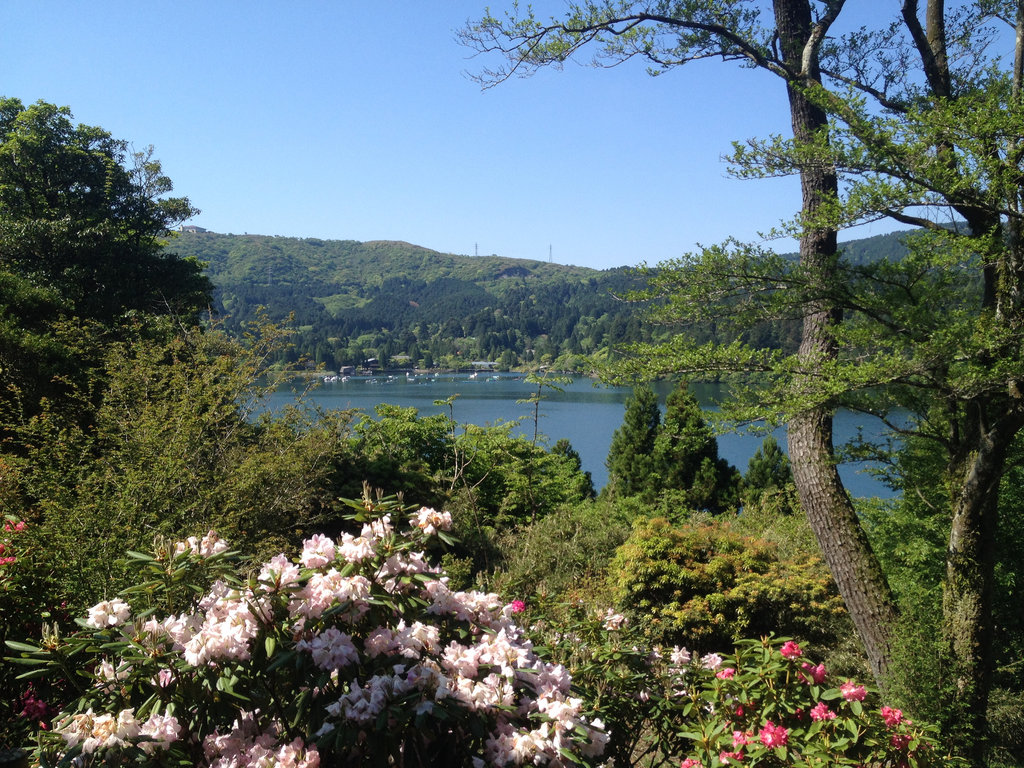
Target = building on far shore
(191,228)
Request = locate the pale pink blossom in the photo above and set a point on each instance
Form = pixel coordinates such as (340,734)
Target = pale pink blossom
(279,572)
(317,551)
(355,549)
(162,729)
(612,620)
(211,544)
(331,649)
(109,613)
(431,521)
(711,661)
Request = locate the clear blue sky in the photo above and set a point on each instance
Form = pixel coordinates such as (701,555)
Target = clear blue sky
(355,120)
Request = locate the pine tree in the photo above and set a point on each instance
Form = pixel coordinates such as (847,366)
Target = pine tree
(686,456)
(629,459)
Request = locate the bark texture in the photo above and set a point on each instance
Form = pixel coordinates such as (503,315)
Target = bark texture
(826,502)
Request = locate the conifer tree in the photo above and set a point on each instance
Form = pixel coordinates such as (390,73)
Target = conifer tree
(686,456)
(630,464)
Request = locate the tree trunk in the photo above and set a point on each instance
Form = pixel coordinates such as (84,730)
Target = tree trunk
(968,631)
(829,509)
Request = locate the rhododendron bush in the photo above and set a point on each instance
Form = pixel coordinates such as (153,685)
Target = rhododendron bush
(765,703)
(353,652)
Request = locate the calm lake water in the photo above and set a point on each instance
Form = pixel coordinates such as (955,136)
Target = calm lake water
(586,413)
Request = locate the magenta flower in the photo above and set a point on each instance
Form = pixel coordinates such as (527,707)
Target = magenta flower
(817,673)
(822,712)
(892,717)
(691,762)
(900,740)
(790,650)
(726,673)
(852,692)
(773,736)
(517,606)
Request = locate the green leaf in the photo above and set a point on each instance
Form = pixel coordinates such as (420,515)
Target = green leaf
(16,646)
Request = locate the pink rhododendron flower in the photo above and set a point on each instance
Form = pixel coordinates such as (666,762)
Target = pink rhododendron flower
(817,673)
(691,762)
(517,606)
(317,551)
(680,656)
(790,650)
(900,740)
(727,758)
(892,717)
(32,707)
(822,712)
(430,521)
(726,673)
(211,544)
(773,736)
(852,692)
(739,738)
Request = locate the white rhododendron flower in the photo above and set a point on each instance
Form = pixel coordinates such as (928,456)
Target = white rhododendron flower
(371,637)
(109,613)
(430,521)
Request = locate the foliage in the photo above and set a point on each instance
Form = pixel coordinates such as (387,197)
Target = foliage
(174,446)
(630,455)
(707,586)
(762,704)
(82,215)
(768,473)
(82,222)
(686,457)
(354,651)
(489,476)
(675,456)
(564,555)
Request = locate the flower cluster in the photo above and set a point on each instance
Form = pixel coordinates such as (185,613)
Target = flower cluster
(764,704)
(353,650)
(102,731)
(7,555)
(767,707)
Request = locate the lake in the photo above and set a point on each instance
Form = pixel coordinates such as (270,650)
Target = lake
(586,413)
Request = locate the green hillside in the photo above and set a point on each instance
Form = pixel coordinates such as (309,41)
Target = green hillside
(354,301)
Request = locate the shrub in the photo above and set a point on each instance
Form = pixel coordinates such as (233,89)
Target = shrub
(706,586)
(356,652)
(763,704)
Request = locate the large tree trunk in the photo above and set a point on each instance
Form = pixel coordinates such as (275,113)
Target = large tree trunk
(829,510)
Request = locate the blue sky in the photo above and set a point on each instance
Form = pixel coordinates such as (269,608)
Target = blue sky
(356,120)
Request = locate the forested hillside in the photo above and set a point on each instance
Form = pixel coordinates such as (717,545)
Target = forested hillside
(355,301)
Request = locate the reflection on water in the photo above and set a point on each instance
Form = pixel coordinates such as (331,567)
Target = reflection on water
(585,412)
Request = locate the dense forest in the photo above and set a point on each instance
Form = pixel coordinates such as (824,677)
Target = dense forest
(408,306)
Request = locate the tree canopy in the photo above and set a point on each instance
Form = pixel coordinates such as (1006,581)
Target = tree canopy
(83,226)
